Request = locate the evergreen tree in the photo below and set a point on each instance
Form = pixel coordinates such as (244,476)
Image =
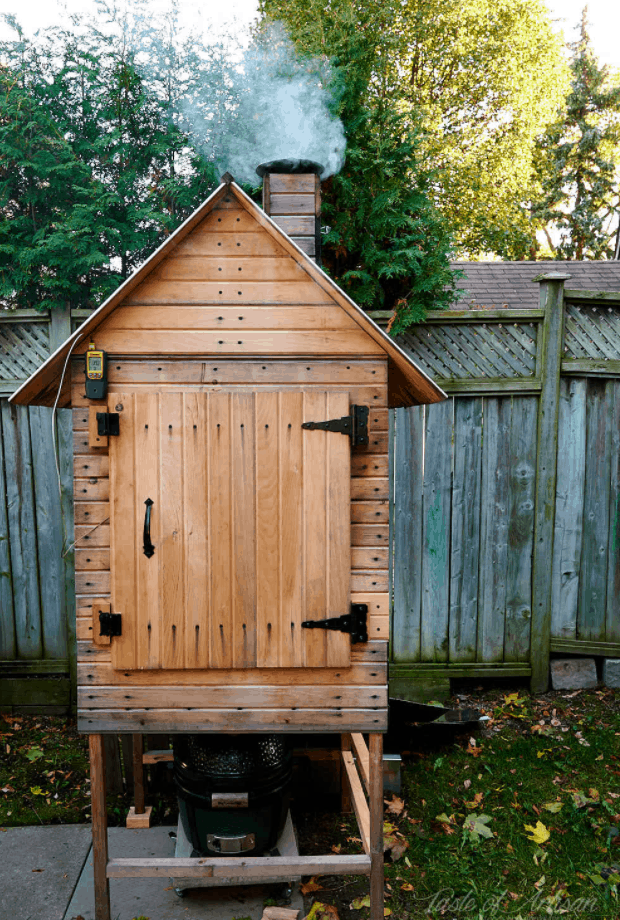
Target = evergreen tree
(579,159)
(385,242)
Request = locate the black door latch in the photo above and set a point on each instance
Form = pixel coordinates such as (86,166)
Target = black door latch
(110,624)
(355,623)
(355,425)
(107,424)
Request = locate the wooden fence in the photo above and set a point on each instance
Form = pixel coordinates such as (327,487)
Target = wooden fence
(37,613)
(506,501)
(506,498)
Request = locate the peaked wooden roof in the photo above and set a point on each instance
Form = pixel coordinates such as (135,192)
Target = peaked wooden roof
(408,385)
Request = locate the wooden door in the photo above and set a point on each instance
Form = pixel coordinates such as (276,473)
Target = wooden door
(250,525)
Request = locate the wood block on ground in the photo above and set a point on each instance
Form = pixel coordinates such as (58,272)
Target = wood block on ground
(135,822)
(280,913)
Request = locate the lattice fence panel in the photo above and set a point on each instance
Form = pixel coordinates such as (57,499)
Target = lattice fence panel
(592,332)
(23,346)
(464,351)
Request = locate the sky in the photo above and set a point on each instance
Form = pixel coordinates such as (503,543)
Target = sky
(604,17)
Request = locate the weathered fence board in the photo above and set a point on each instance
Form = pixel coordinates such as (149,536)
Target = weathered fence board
(465,538)
(408,491)
(8,645)
(22,531)
(593,580)
(568,509)
(521,485)
(612,617)
(435,542)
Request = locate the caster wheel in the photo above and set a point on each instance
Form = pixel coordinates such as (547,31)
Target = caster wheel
(180,892)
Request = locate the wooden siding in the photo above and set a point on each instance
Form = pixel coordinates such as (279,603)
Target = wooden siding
(365,380)
(239,302)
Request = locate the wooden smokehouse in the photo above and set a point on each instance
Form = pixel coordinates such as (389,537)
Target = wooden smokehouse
(213,524)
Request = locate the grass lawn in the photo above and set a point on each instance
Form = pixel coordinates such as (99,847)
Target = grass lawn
(519,820)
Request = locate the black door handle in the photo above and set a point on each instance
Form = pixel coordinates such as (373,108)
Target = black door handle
(149,549)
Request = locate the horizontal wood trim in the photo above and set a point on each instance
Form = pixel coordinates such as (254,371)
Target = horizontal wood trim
(370,535)
(87,465)
(295,203)
(585,647)
(369,488)
(226,220)
(92,535)
(183,317)
(269,293)
(243,342)
(226,697)
(610,297)
(379,627)
(469,316)
(93,489)
(176,721)
(419,670)
(375,465)
(526,386)
(238,867)
(92,559)
(80,415)
(580,367)
(369,512)
(308,370)
(248,243)
(37,666)
(92,583)
(369,557)
(228,268)
(291,182)
(369,581)
(297,225)
(91,512)
(101,673)
(358,395)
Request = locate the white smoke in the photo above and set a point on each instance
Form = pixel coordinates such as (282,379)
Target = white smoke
(270,105)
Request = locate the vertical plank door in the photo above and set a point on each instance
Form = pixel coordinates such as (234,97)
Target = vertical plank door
(250,526)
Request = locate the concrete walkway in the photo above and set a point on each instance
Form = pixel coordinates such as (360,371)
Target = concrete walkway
(46,874)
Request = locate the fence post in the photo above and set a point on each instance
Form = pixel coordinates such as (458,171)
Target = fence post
(60,330)
(552,301)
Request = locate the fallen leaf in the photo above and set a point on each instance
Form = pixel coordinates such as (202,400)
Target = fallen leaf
(38,870)
(407,886)
(310,885)
(541,881)
(395,807)
(476,801)
(539,833)
(358,903)
(553,807)
(320,911)
(476,827)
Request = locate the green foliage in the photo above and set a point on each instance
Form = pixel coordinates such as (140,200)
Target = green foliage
(385,242)
(579,157)
(477,80)
(94,172)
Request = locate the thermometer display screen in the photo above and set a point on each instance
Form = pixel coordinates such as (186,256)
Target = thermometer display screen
(95,364)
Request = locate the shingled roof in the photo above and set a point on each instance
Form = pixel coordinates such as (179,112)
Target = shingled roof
(493,285)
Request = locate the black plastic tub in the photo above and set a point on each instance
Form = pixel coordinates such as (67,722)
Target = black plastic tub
(233,791)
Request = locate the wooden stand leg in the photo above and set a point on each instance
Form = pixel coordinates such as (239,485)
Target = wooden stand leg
(138,774)
(345,788)
(375,795)
(139,814)
(100,827)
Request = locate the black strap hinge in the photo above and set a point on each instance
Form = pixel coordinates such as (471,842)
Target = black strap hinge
(355,623)
(355,425)
(110,624)
(107,424)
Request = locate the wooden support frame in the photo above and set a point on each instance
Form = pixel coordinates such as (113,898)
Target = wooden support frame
(364,773)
